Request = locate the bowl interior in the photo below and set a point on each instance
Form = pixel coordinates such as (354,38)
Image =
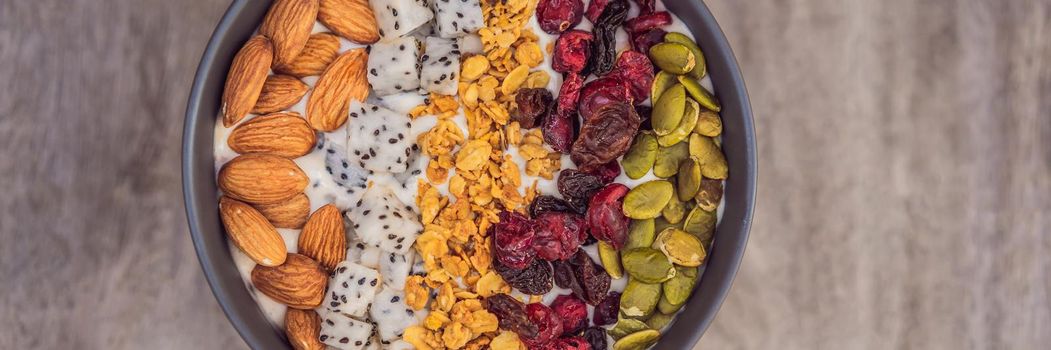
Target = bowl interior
(200,191)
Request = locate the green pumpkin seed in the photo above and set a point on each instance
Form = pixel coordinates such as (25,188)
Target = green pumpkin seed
(638,341)
(713,162)
(682,248)
(641,156)
(645,201)
(659,320)
(669,109)
(610,258)
(626,326)
(686,125)
(709,124)
(701,223)
(668,159)
(639,299)
(666,307)
(688,180)
(699,70)
(661,83)
(673,57)
(709,194)
(699,93)
(675,211)
(641,233)
(647,265)
(659,225)
(677,290)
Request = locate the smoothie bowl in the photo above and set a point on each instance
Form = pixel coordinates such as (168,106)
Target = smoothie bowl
(509,174)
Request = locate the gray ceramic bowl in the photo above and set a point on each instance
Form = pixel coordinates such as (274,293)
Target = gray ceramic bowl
(200,192)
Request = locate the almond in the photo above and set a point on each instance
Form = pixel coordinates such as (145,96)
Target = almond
(252,233)
(288,214)
(342,82)
(262,179)
(280,92)
(321,50)
(288,24)
(351,19)
(245,80)
(299,283)
(323,238)
(283,134)
(303,328)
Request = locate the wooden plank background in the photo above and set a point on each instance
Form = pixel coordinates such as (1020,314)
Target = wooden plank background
(905,175)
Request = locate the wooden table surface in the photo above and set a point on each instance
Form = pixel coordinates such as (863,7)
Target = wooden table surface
(905,176)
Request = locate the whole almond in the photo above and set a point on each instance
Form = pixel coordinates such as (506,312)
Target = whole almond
(288,24)
(262,179)
(299,283)
(280,92)
(284,134)
(252,233)
(351,19)
(291,213)
(343,81)
(245,80)
(320,51)
(323,238)
(303,328)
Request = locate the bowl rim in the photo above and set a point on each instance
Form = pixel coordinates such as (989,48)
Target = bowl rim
(200,191)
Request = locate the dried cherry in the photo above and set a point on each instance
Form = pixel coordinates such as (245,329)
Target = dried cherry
(550,204)
(646,6)
(595,8)
(556,16)
(549,326)
(513,240)
(642,42)
(578,187)
(583,276)
(571,343)
(605,217)
(558,235)
(636,70)
(574,313)
(606,136)
(535,279)
(596,337)
(532,106)
(558,127)
(647,21)
(606,172)
(572,51)
(602,92)
(604,47)
(512,315)
(606,311)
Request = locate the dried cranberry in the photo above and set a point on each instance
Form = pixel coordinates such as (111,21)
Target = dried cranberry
(602,92)
(571,51)
(606,311)
(532,105)
(635,69)
(535,279)
(583,276)
(604,48)
(646,22)
(572,343)
(606,136)
(606,172)
(578,187)
(574,313)
(548,324)
(556,16)
(642,42)
(550,204)
(513,240)
(646,6)
(512,315)
(558,235)
(595,8)
(606,220)
(596,337)
(559,125)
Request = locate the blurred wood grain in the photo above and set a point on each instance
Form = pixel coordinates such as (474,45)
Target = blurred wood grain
(905,176)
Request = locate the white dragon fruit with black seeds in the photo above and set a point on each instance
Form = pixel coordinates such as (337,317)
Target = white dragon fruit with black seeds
(356,248)
(395,269)
(345,333)
(397,18)
(391,314)
(351,177)
(378,139)
(394,66)
(400,345)
(351,289)
(441,63)
(382,220)
(456,18)
(471,43)
(371,257)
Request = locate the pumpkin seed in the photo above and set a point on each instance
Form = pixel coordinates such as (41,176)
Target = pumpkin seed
(668,159)
(659,225)
(639,299)
(610,260)
(641,156)
(647,265)
(661,83)
(686,125)
(626,326)
(669,109)
(688,180)
(641,233)
(699,71)
(674,58)
(709,124)
(701,223)
(709,194)
(699,93)
(666,307)
(713,162)
(677,290)
(640,340)
(659,320)
(675,211)
(680,247)
(645,201)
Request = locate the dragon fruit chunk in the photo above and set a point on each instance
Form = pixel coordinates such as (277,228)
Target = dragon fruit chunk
(400,345)
(456,18)
(394,67)
(395,269)
(381,220)
(397,18)
(351,289)
(345,333)
(370,257)
(440,64)
(391,314)
(350,177)
(379,139)
(471,44)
